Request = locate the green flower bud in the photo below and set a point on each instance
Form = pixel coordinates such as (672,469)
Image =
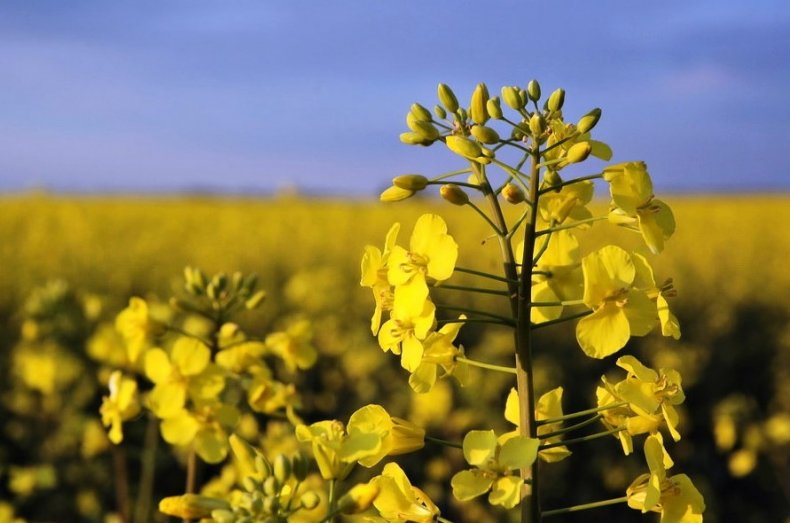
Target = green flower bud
(250,484)
(537,125)
(420,112)
(395,194)
(282,468)
(477,107)
(462,114)
(250,282)
(271,486)
(412,138)
(300,467)
(447,97)
(411,182)
(513,193)
(427,131)
(310,500)
(262,466)
(464,146)
(556,100)
(493,108)
(211,291)
(220,281)
(453,194)
(439,111)
(551,178)
(512,97)
(485,134)
(236,281)
(588,121)
(269,505)
(578,152)
(255,301)
(533,90)
(223,516)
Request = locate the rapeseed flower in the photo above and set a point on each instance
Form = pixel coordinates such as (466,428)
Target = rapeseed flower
(122,404)
(408,327)
(374,434)
(439,353)
(399,501)
(549,406)
(374,275)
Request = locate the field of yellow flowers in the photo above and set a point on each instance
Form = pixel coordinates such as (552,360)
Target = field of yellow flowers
(69,264)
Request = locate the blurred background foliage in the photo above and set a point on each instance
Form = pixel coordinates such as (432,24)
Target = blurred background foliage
(69,264)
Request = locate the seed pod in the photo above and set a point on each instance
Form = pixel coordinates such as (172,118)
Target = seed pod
(533,90)
(420,112)
(537,125)
(447,97)
(556,100)
(453,194)
(464,147)
(477,107)
(494,109)
(578,152)
(485,134)
(588,121)
(395,194)
(411,182)
(439,111)
(512,97)
(513,193)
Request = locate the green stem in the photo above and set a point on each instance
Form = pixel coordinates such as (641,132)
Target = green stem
(121,483)
(543,248)
(508,323)
(451,174)
(482,365)
(332,500)
(582,413)
(586,506)
(191,475)
(474,311)
(483,274)
(443,520)
(581,439)
(557,144)
(487,219)
(473,289)
(569,182)
(518,223)
(571,225)
(570,428)
(147,472)
(443,442)
(461,184)
(567,303)
(561,320)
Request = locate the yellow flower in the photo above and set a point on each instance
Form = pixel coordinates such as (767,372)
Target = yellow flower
(620,308)
(406,329)
(137,328)
(554,207)
(399,502)
(494,465)
(121,405)
(374,434)
(206,428)
(268,395)
(549,406)
(325,438)
(374,275)
(191,506)
(674,497)
(293,345)
(439,353)
(635,206)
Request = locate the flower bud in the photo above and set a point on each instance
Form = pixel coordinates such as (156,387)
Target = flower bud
(309,500)
(424,129)
(223,516)
(282,468)
(578,152)
(359,498)
(411,182)
(250,282)
(454,194)
(551,178)
(254,301)
(512,97)
(533,90)
(513,193)
(464,146)
(271,486)
(439,111)
(250,484)
(477,107)
(588,121)
(420,112)
(447,97)
(537,125)
(494,109)
(236,281)
(484,134)
(556,100)
(412,138)
(300,467)
(191,506)
(395,194)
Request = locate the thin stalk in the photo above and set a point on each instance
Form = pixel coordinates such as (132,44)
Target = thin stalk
(570,428)
(473,289)
(541,251)
(561,320)
(182,332)
(487,219)
(492,321)
(571,225)
(121,483)
(451,174)
(557,144)
(474,311)
(569,182)
(443,442)
(582,413)
(586,506)
(443,520)
(461,184)
(582,439)
(191,475)
(332,500)
(482,365)
(567,303)
(483,274)
(147,472)
(518,223)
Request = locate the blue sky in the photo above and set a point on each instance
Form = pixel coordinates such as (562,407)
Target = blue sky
(242,95)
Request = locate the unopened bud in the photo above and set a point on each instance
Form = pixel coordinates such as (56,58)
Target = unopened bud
(271,486)
(412,138)
(236,281)
(578,152)
(537,125)
(255,300)
(512,97)
(533,90)
(588,121)
(395,194)
(556,100)
(439,111)
(494,108)
(551,178)
(250,282)
(191,506)
(420,112)
(223,516)
(220,281)
(484,134)
(250,484)
(427,131)
(464,146)
(477,107)
(454,194)
(309,500)
(412,182)
(462,114)
(513,193)
(282,468)
(359,498)
(300,467)
(447,97)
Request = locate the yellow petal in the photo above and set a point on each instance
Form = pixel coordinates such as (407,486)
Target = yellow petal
(180,429)
(506,491)
(606,272)
(157,365)
(603,332)
(190,356)
(512,408)
(167,399)
(211,445)
(479,446)
(469,484)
